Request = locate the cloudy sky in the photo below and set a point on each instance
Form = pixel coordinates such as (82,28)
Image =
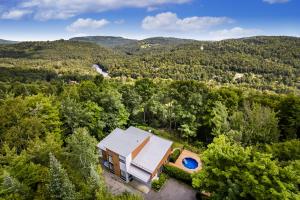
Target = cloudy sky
(199,19)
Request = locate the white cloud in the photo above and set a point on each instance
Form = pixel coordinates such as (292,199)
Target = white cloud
(236,32)
(86,24)
(169,21)
(151,9)
(63,9)
(275,1)
(120,21)
(15,14)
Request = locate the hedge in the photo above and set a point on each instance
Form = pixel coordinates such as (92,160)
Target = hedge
(174,155)
(178,174)
(158,183)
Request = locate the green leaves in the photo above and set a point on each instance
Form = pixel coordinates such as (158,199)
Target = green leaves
(81,149)
(234,172)
(25,119)
(59,187)
(256,124)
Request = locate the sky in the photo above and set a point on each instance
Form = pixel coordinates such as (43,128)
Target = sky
(31,20)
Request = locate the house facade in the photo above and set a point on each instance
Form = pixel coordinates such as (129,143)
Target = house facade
(134,154)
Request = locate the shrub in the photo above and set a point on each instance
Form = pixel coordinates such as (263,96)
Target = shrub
(178,174)
(174,155)
(157,184)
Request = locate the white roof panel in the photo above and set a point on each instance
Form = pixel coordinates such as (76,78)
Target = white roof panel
(138,173)
(124,142)
(152,153)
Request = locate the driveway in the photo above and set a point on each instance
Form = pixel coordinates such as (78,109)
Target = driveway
(116,186)
(172,190)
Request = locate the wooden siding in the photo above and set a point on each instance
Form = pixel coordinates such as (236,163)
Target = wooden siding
(104,155)
(116,161)
(139,148)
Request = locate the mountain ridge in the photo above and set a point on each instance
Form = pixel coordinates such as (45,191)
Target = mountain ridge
(116,41)
(2,41)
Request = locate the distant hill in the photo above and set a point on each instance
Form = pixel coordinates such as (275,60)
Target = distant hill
(7,42)
(257,61)
(167,41)
(107,41)
(125,44)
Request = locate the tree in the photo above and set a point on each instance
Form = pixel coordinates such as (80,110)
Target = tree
(24,119)
(115,113)
(88,90)
(39,149)
(81,148)
(188,131)
(231,171)
(218,119)
(20,175)
(289,117)
(77,114)
(256,124)
(11,188)
(146,89)
(131,99)
(59,187)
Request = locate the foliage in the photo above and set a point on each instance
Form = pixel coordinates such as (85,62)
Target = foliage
(22,120)
(255,124)
(284,151)
(178,174)
(158,183)
(60,187)
(52,102)
(81,152)
(234,172)
(175,154)
(290,117)
(218,119)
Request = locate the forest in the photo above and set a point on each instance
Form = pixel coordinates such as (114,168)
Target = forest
(54,108)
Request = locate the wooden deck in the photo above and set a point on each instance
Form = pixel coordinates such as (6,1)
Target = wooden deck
(187,154)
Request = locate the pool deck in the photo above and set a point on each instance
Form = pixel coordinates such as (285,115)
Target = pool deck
(187,154)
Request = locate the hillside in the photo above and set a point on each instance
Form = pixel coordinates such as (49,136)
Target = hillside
(260,62)
(107,41)
(7,42)
(129,45)
(256,61)
(37,59)
(219,102)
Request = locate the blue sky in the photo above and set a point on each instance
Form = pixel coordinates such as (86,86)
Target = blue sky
(198,19)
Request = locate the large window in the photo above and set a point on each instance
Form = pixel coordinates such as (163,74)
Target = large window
(123,175)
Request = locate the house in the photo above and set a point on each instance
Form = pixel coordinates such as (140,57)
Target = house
(134,154)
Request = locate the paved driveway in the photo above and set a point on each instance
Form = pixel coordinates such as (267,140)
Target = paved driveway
(172,190)
(116,186)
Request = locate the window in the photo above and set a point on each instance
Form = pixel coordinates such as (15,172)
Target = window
(111,167)
(110,159)
(123,175)
(122,159)
(100,153)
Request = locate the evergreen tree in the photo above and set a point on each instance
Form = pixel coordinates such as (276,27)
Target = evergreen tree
(59,187)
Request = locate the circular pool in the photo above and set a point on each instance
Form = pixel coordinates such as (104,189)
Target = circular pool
(190,163)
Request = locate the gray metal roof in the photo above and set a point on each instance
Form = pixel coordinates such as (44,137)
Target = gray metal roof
(124,142)
(138,173)
(152,153)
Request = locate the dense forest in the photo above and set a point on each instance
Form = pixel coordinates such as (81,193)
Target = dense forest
(54,108)
(263,63)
